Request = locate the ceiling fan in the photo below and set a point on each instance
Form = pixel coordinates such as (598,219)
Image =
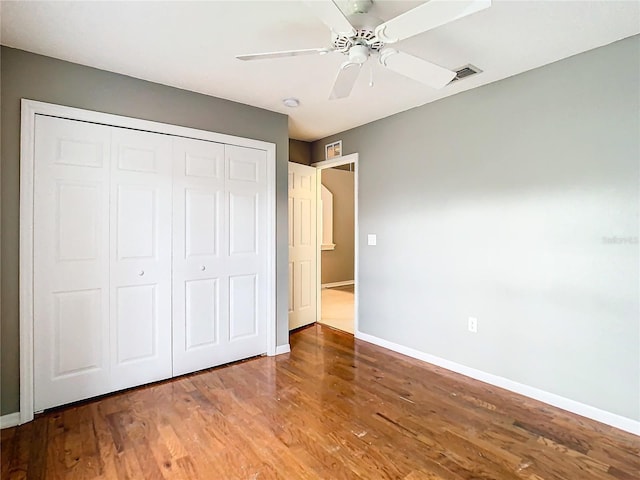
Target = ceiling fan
(361,35)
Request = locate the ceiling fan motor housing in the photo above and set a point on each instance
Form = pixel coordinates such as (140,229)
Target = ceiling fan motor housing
(364,25)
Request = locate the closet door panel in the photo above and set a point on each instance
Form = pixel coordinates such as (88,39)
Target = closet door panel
(246,187)
(199,280)
(202,222)
(137,222)
(219,263)
(202,307)
(141,189)
(243,224)
(71,261)
(243,307)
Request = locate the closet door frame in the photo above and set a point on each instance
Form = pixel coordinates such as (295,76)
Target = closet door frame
(29,110)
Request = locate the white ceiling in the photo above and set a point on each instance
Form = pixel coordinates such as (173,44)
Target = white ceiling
(192,45)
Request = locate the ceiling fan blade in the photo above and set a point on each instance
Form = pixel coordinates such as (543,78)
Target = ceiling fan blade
(285,53)
(416,68)
(331,16)
(345,80)
(427,16)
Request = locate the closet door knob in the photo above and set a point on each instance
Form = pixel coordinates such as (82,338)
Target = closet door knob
(203,268)
(141,273)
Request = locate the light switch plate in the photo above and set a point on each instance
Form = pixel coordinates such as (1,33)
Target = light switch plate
(371,239)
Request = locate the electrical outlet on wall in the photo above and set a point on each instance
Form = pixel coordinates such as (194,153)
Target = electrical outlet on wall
(473,324)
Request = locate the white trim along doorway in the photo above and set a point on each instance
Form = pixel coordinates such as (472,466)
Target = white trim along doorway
(336,162)
(31,110)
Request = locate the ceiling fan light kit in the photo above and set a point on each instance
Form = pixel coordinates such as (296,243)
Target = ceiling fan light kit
(361,35)
(358,54)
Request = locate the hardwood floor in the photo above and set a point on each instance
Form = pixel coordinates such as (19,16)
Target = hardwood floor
(332,408)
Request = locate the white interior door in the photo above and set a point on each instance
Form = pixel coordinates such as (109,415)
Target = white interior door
(71,261)
(302,245)
(141,188)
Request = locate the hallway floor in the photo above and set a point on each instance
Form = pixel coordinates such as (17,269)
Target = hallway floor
(337,308)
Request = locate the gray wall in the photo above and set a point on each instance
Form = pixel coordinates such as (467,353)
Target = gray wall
(516,203)
(54,81)
(299,152)
(337,265)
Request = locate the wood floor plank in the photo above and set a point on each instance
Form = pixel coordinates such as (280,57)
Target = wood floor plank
(334,408)
(15,452)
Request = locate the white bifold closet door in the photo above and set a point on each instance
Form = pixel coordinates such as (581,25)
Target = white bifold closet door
(219,245)
(71,261)
(149,257)
(102,260)
(140,287)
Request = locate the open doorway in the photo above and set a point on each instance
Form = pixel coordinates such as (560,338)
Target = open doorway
(337,194)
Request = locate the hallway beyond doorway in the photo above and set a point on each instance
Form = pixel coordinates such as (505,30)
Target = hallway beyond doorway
(337,308)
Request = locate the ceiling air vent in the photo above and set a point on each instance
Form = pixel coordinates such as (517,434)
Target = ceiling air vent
(464,72)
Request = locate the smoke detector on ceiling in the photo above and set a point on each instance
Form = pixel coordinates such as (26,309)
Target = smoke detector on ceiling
(291,102)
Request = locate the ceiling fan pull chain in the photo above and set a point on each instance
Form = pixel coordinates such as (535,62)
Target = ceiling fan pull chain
(370,75)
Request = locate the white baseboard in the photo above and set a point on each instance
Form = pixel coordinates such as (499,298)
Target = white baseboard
(280,349)
(338,284)
(612,419)
(10,420)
